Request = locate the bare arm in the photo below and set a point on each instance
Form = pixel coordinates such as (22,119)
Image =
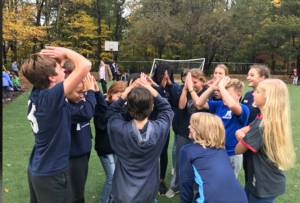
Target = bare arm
(227,98)
(183,98)
(82,65)
(202,100)
(240,148)
(239,134)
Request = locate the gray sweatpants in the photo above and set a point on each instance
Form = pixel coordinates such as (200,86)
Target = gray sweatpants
(181,141)
(236,163)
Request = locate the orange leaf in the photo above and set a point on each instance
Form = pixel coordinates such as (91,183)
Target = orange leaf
(6,190)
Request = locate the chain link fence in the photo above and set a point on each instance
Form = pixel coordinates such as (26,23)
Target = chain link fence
(145,66)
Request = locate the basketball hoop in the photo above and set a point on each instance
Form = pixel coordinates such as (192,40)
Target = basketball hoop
(111,47)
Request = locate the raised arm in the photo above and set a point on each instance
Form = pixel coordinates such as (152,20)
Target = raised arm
(183,97)
(227,98)
(87,111)
(82,65)
(202,100)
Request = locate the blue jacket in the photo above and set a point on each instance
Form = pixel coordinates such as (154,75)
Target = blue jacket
(14,68)
(81,134)
(211,169)
(136,174)
(6,80)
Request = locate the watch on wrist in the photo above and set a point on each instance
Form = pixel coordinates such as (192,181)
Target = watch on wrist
(190,90)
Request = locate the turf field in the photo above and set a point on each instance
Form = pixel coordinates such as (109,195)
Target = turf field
(18,141)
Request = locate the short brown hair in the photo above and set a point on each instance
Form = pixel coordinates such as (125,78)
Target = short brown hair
(198,74)
(236,84)
(116,87)
(37,69)
(222,66)
(139,103)
(209,130)
(262,70)
(69,68)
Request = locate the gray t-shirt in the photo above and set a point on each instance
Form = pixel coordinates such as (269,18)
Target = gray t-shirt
(265,179)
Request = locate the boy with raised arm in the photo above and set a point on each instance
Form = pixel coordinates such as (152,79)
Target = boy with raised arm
(50,119)
(138,143)
(233,114)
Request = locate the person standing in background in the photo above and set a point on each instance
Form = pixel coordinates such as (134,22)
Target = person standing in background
(104,75)
(15,68)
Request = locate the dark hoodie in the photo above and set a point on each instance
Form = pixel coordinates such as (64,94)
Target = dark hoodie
(137,169)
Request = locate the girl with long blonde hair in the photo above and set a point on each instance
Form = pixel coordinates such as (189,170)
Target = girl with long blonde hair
(269,138)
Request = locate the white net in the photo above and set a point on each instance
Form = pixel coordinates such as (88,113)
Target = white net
(179,65)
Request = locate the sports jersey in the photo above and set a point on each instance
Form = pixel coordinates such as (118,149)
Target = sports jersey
(50,120)
(254,110)
(211,169)
(265,179)
(231,122)
(81,134)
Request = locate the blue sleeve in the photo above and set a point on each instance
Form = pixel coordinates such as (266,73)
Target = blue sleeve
(160,89)
(175,91)
(86,112)
(165,113)
(101,104)
(213,106)
(243,119)
(55,97)
(186,177)
(115,119)
(9,80)
(115,110)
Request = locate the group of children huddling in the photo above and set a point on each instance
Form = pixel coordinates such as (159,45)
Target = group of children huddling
(132,124)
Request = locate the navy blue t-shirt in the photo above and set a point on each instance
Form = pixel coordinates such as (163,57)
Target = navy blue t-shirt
(231,122)
(50,120)
(211,169)
(254,110)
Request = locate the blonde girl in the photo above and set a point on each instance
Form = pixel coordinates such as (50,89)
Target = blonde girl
(206,162)
(268,141)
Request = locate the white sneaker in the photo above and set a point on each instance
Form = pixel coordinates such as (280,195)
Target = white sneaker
(171,193)
(8,99)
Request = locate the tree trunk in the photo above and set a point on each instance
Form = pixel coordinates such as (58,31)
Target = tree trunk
(15,50)
(118,20)
(38,20)
(298,63)
(57,31)
(47,11)
(99,28)
(273,61)
(4,52)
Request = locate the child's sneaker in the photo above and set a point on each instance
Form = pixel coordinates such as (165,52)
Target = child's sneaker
(162,188)
(8,99)
(171,193)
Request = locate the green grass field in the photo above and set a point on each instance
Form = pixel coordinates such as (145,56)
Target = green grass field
(18,141)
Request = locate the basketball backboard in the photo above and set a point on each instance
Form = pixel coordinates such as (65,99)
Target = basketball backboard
(111,46)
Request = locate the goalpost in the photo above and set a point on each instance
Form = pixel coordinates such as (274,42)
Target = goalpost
(179,65)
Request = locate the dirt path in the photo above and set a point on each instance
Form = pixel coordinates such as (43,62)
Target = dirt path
(26,85)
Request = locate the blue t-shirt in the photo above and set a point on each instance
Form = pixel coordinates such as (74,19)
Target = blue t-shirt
(254,110)
(231,122)
(211,169)
(50,120)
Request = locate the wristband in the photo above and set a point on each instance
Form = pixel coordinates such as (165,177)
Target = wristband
(190,90)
